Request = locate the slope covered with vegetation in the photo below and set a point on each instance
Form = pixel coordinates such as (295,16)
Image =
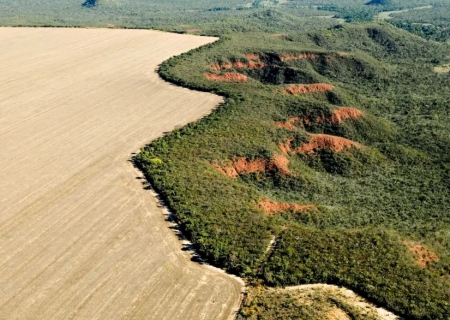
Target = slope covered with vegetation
(336,142)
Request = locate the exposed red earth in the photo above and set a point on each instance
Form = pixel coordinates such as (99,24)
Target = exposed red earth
(242,165)
(422,254)
(227,77)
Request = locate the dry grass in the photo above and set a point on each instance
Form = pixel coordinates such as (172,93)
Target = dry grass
(80,237)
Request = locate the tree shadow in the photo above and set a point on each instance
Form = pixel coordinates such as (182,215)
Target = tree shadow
(89,3)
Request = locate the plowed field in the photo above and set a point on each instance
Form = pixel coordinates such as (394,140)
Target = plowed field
(79,236)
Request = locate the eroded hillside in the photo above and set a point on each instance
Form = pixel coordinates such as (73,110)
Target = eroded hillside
(334,142)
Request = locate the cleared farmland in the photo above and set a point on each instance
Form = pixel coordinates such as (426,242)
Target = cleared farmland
(79,236)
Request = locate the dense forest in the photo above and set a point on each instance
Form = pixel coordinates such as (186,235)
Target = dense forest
(333,140)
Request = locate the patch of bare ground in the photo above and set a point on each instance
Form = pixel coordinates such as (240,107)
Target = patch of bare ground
(422,254)
(341,114)
(270,207)
(249,65)
(290,57)
(241,165)
(279,35)
(80,237)
(227,77)
(308,88)
(285,125)
(328,142)
(286,146)
(317,142)
(337,117)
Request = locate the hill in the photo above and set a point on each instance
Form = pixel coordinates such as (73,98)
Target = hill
(322,145)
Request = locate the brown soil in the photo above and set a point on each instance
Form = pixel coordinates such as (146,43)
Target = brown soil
(299,57)
(308,88)
(75,232)
(294,119)
(285,125)
(422,254)
(252,56)
(243,166)
(230,172)
(250,65)
(286,147)
(227,77)
(270,208)
(279,35)
(341,114)
(329,142)
(280,162)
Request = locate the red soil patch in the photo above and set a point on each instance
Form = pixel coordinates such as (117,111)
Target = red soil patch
(288,124)
(285,125)
(299,57)
(252,56)
(227,77)
(243,166)
(422,254)
(294,119)
(286,147)
(308,88)
(339,115)
(325,141)
(250,65)
(281,163)
(270,208)
(230,172)
(221,66)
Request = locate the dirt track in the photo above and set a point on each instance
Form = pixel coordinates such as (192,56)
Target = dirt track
(79,237)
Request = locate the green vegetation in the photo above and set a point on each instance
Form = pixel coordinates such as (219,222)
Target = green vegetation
(371,200)
(382,224)
(312,303)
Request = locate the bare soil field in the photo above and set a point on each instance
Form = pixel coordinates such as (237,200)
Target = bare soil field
(79,236)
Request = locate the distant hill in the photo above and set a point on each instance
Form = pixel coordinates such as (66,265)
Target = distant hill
(379,3)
